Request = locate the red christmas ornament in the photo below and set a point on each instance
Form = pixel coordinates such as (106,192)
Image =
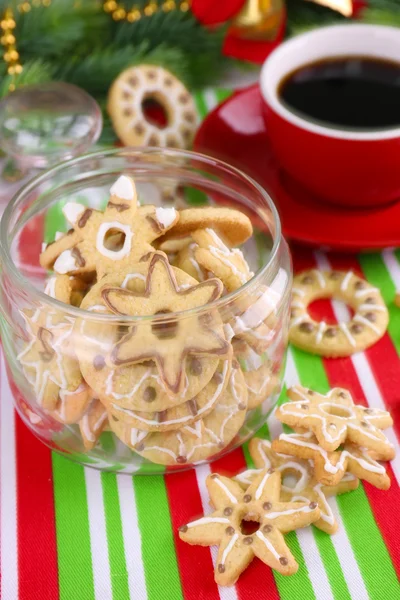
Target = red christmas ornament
(214,12)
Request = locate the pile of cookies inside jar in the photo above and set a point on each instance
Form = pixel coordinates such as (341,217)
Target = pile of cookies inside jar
(156,346)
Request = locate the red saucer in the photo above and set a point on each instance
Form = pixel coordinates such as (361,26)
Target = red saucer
(235,132)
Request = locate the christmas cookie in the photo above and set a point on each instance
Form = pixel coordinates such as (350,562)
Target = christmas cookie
(229,265)
(225,527)
(93,423)
(257,373)
(197,441)
(187,261)
(231,225)
(185,413)
(305,486)
(331,467)
(134,386)
(334,419)
(87,249)
(48,356)
(366,327)
(138,87)
(168,343)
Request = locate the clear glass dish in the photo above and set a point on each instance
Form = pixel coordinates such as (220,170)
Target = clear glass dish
(93,413)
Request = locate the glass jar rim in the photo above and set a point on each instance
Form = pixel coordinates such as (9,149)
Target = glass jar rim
(73,311)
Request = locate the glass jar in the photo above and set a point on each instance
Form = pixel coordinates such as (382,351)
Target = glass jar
(58,355)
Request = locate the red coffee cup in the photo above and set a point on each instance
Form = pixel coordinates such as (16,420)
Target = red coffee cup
(341,166)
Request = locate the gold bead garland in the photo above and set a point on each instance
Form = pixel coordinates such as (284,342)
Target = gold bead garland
(120,13)
(8,40)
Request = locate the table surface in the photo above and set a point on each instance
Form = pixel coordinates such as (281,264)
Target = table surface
(71,532)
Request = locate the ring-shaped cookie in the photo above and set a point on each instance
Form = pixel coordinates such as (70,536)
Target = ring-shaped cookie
(367,326)
(127,100)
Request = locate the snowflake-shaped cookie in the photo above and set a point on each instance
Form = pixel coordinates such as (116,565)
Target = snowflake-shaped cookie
(168,343)
(306,487)
(334,418)
(331,467)
(104,241)
(225,527)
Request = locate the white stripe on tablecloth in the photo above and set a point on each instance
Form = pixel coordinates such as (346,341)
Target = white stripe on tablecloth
(98,535)
(225,593)
(210,99)
(363,370)
(392,265)
(132,538)
(344,550)
(8,493)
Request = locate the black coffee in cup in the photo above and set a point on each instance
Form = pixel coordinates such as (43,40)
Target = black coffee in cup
(351,92)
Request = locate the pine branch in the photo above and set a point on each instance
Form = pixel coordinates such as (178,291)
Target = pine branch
(36,71)
(304,15)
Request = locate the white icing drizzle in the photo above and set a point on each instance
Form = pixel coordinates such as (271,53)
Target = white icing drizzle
(207,521)
(137,435)
(361,319)
(289,511)
(59,235)
(50,288)
(346,281)
(123,188)
(89,435)
(130,276)
(247,476)
(366,291)
(377,307)
(126,248)
(226,490)
(229,547)
(165,216)
(297,304)
(298,291)
(195,264)
(65,263)
(300,319)
(44,246)
(343,327)
(267,544)
(260,489)
(290,465)
(320,277)
(72,211)
(320,332)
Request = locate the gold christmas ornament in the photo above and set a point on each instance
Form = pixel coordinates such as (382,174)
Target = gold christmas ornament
(344,7)
(258,20)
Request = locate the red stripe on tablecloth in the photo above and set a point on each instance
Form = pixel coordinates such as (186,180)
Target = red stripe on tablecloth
(37,549)
(195,565)
(248,586)
(341,372)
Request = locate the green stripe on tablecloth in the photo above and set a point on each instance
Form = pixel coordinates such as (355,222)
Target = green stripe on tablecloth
(354,509)
(158,550)
(201,105)
(116,552)
(72,527)
(375,271)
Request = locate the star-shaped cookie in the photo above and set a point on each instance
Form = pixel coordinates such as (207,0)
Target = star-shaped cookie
(334,418)
(261,505)
(104,241)
(331,467)
(168,343)
(306,487)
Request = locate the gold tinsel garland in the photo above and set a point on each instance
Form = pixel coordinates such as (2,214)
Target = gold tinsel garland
(119,12)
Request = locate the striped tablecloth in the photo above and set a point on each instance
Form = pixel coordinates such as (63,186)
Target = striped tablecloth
(74,533)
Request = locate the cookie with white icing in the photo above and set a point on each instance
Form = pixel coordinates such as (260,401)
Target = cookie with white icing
(231,225)
(48,357)
(141,387)
(306,486)
(102,242)
(259,379)
(335,419)
(331,467)
(92,423)
(127,100)
(232,508)
(198,441)
(181,415)
(366,327)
